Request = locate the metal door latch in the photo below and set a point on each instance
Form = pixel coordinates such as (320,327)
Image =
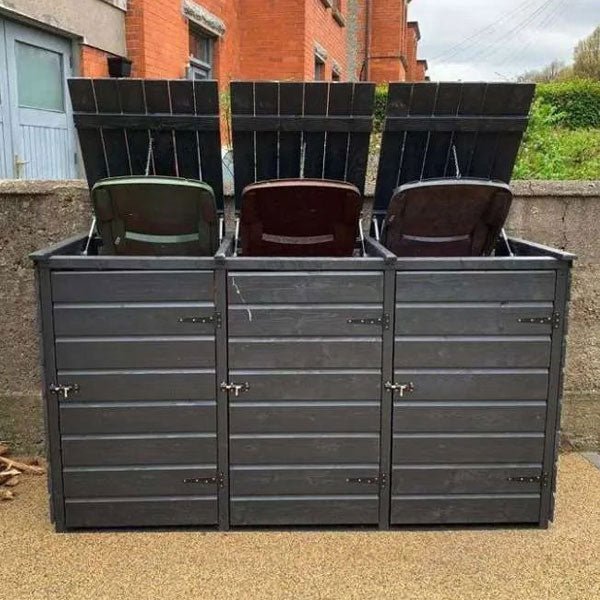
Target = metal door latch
(379,480)
(216,319)
(401,388)
(65,390)
(236,388)
(384,321)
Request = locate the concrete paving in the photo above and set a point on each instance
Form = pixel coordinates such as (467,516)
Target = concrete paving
(561,563)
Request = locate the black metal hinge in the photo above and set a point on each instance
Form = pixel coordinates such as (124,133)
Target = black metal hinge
(218,480)
(215,319)
(541,479)
(64,389)
(383,322)
(380,480)
(553,320)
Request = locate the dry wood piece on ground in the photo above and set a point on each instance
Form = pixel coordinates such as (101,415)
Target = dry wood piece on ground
(6,495)
(10,470)
(21,466)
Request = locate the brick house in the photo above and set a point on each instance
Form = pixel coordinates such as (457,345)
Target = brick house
(43,42)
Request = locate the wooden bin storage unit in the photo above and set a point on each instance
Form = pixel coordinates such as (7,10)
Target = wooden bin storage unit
(233,391)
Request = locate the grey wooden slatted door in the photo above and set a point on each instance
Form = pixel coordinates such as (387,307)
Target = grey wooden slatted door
(138,437)
(41,134)
(5,133)
(306,429)
(468,442)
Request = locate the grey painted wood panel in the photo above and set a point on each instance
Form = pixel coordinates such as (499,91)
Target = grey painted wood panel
(81,419)
(131,481)
(309,385)
(302,320)
(298,287)
(475,286)
(471,352)
(151,449)
(467,448)
(309,448)
(146,512)
(322,510)
(476,417)
(182,384)
(305,353)
(308,480)
(472,384)
(304,417)
(419,510)
(468,479)
(136,353)
(131,319)
(132,286)
(493,318)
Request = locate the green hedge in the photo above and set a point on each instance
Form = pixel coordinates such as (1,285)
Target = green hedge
(576,103)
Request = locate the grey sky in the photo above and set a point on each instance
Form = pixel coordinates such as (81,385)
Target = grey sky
(527,34)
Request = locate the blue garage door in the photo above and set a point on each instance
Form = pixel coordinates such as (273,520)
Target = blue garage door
(36,135)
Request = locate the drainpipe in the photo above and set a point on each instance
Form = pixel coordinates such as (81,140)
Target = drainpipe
(367,38)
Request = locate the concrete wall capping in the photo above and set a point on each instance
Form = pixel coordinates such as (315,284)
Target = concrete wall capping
(204,18)
(335,67)
(339,17)
(327,3)
(122,4)
(320,51)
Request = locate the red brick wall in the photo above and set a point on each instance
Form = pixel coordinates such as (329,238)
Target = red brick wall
(388,26)
(322,28)
(93,62)
(411,53)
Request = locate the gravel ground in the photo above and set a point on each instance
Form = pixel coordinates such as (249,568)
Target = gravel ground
(561,563)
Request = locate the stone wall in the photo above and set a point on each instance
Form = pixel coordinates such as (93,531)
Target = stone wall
(35,214)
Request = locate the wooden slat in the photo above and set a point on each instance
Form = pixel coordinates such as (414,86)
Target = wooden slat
(90,451)
(336,146)
(309,385)
(145,481)
(206,95)
(242,103)
(115,143)
(451,479)
(471,384)
(132,319)
(467,448)
(319,510)
(134,353)
(492,318)
(266,102)
(290,448)
(302,481)
(304,417)
(133,102)
(165,417)
(163,149)
(392,145)
(132,286)
(468,417)
(439,143)
(446,124)
(475,286)
(90,140)
(304,287)
(307,123)
(471,352)
(291,103)
(186,142)
(148,512)
(415,145)
(508,144)
(302,353)
(115,386)
(315,103)
(358,149)
(302,320)
(423,510)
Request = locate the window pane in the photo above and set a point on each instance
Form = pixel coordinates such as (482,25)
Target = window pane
(200,47)
(39,78)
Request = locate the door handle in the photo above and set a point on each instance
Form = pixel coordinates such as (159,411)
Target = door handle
(401,388)
(236,388)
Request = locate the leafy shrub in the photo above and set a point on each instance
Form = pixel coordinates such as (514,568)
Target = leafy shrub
(577,101)
(381,95)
